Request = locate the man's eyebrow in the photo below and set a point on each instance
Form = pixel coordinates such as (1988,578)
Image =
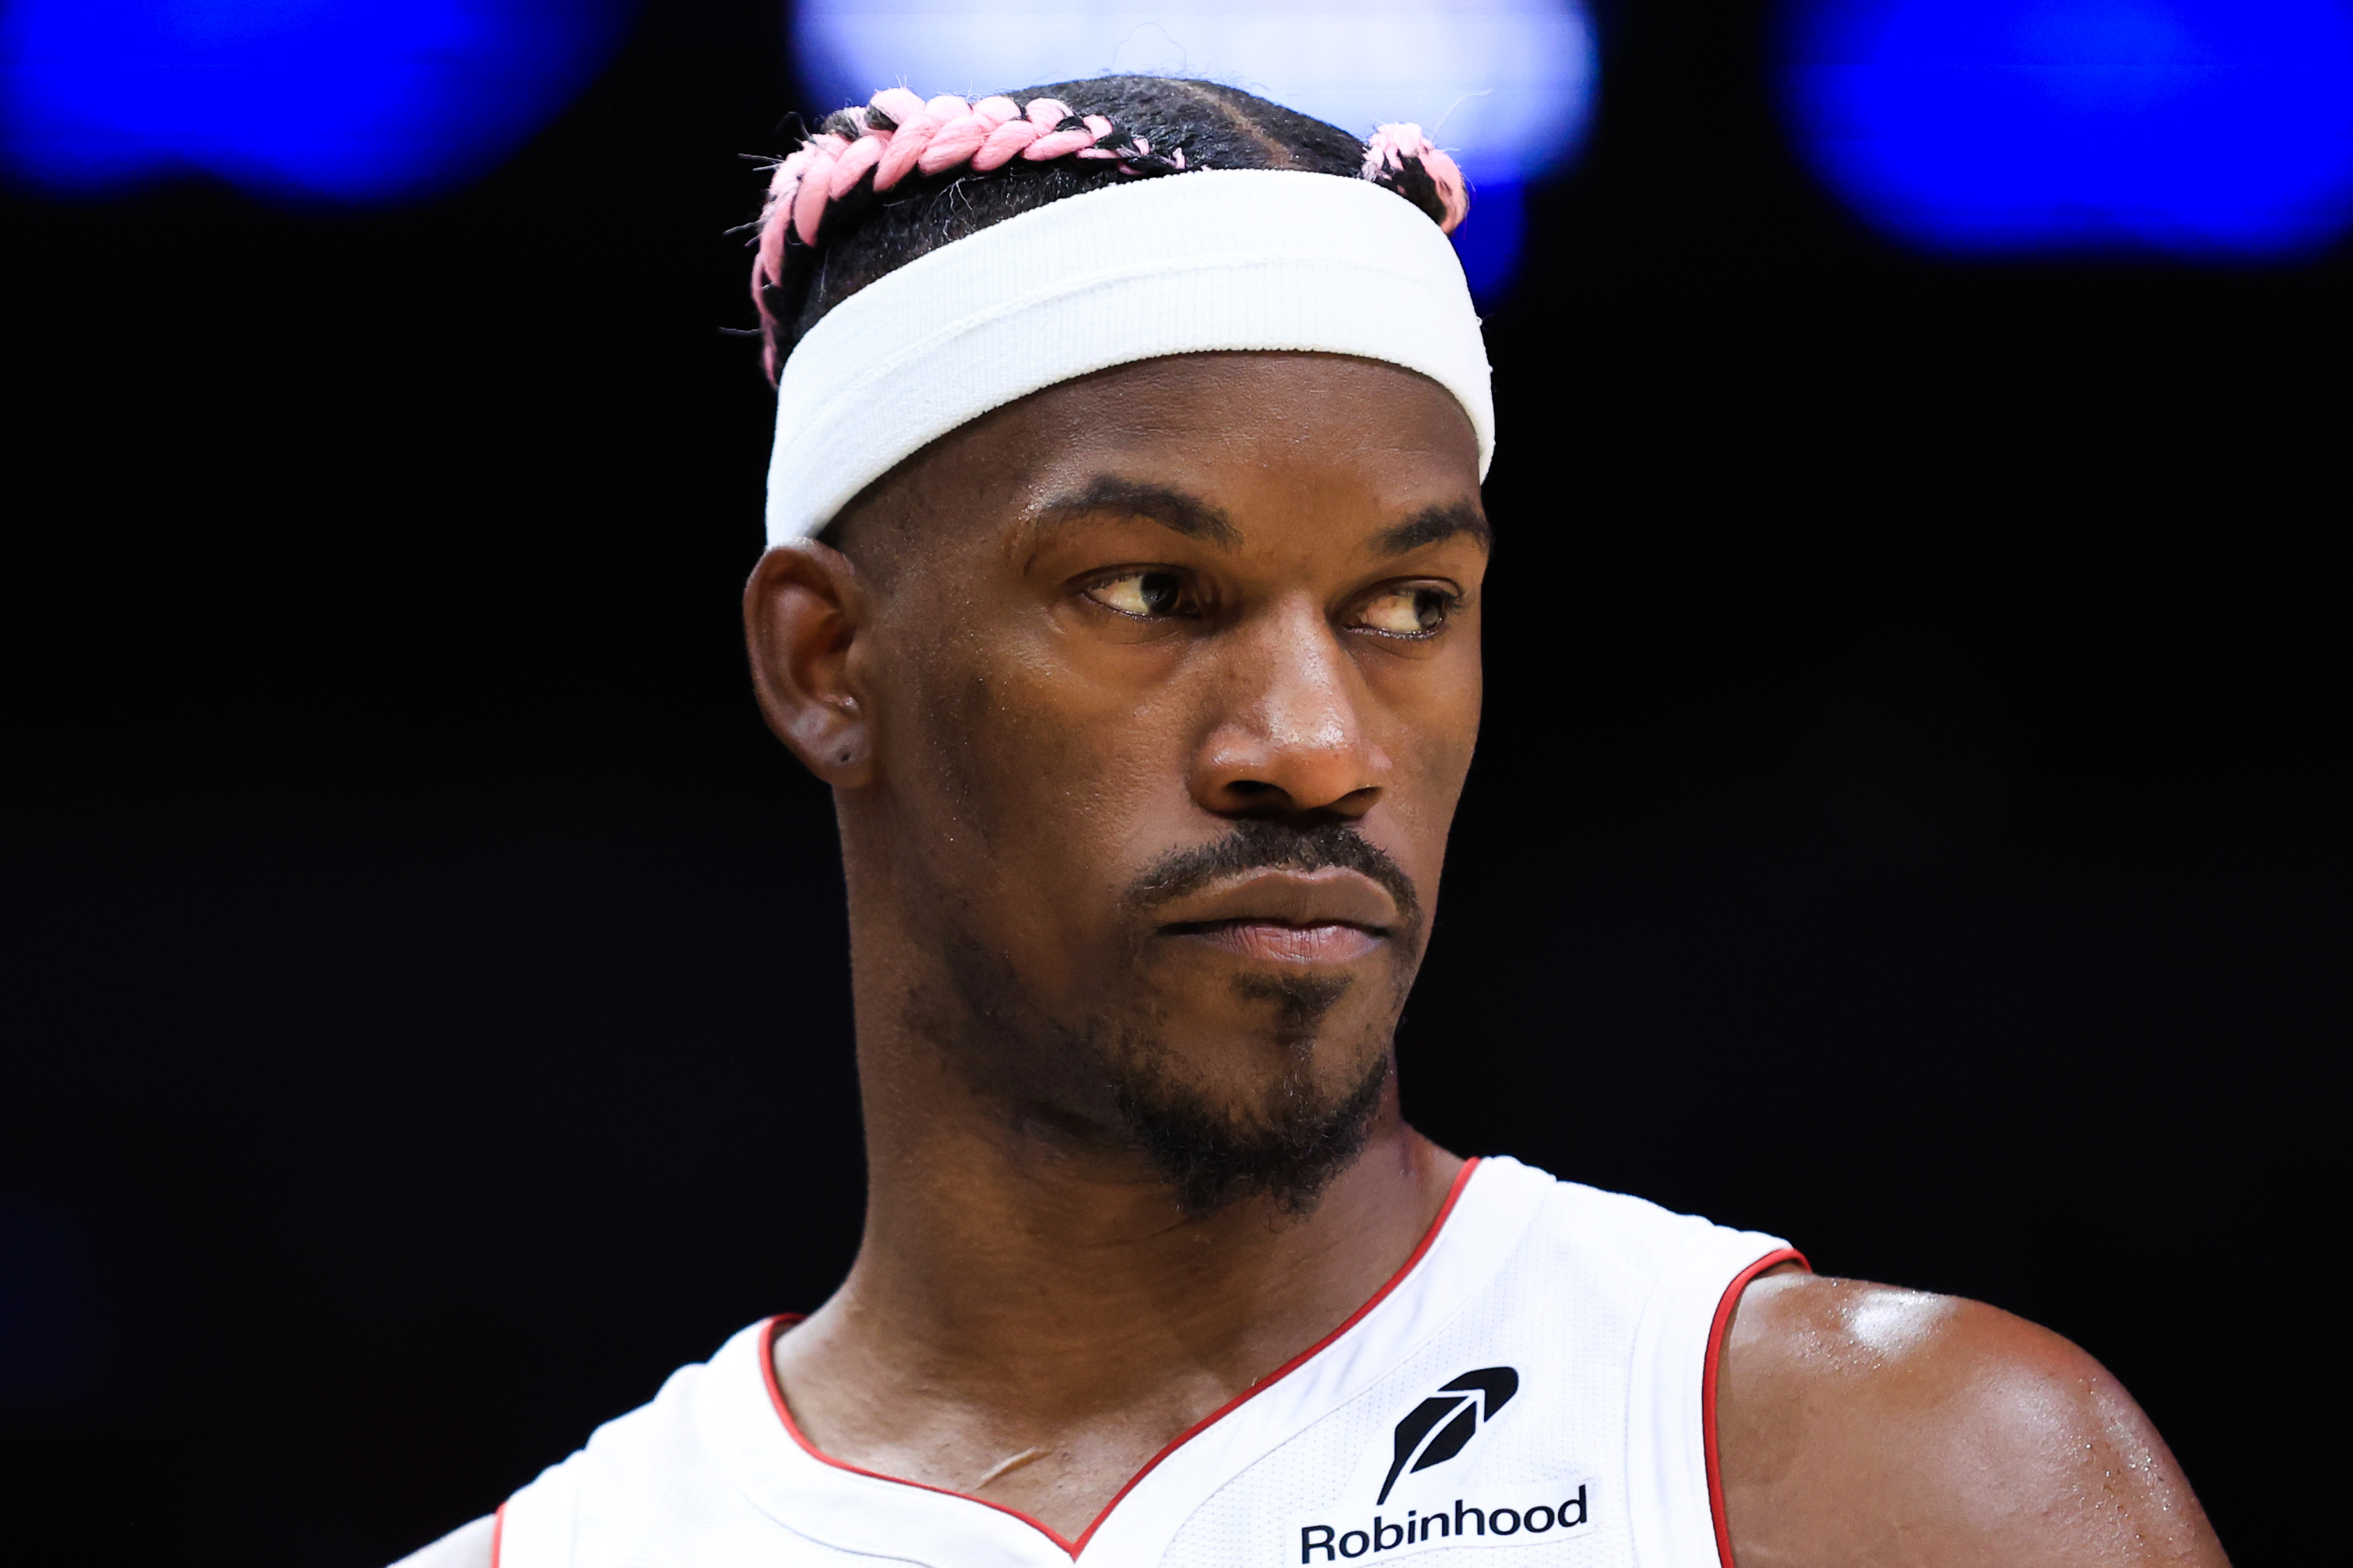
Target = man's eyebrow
(1188,515)
(1433,524)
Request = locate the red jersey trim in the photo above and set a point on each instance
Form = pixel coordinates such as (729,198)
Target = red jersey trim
(777,1324)
(498,1532)
(1715,1332)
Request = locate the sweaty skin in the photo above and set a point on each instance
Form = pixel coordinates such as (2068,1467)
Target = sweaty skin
(1032,1316)
(1865,1425)
(1012,744)
(1104,627)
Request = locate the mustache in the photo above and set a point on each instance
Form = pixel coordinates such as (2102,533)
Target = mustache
(1256,845)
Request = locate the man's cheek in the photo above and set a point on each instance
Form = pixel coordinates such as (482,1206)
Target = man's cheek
(1435,768)
(1080,786)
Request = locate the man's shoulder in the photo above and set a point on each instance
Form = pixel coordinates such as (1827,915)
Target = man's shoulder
(1859,1422)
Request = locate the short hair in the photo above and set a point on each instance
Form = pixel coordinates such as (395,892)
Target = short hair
(1165,126)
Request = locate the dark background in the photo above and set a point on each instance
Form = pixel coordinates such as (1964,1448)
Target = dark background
(1909,818)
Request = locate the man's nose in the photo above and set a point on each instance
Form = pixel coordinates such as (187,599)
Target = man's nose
(1287,735)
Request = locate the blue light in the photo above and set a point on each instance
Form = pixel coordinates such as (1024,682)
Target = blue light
(352,100)
(2218,127)
(1506,86)
(1489,246)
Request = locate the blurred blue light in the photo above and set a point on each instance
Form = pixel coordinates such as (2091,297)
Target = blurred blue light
(1506,86)
(1489,248)
(352,100)
(2204,127)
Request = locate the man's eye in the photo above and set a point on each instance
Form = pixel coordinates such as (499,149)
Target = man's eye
(1414,611)
(1144,593)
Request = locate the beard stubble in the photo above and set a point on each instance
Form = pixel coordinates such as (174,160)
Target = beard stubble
(1286,1140)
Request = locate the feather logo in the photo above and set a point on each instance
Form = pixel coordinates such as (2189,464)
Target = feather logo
(1439,1427)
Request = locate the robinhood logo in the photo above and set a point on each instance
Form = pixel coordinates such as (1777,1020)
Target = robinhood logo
(1433,1432)
(1436,1430)
(1445,1525)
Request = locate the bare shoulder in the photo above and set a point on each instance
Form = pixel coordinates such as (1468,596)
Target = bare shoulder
(1863,1425)
(468,1546)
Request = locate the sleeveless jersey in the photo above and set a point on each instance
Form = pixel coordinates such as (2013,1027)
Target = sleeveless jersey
(1534,1387)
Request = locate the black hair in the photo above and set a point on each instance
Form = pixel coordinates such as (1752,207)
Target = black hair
(865,236)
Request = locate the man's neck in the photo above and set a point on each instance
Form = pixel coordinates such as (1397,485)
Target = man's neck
(1032,1316)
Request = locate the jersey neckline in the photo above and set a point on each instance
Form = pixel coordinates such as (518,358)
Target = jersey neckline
(777,1325)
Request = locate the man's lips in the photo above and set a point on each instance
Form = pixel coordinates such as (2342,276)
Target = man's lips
(1270,941)
(1328,915)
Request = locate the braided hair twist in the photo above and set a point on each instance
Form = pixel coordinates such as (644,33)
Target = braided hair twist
(881,182)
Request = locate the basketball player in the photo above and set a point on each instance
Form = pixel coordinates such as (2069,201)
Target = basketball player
(1125,586)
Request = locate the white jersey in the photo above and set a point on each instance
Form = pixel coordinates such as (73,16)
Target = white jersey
(1533,1387)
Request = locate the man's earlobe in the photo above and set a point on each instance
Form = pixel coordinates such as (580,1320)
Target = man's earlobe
(802,610)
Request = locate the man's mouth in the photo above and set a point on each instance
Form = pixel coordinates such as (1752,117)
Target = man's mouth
(1278,941)
(1328,915)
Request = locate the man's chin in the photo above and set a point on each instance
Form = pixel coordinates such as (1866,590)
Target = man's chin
(1287,1147)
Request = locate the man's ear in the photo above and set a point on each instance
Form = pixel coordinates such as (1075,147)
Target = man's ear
(803,609)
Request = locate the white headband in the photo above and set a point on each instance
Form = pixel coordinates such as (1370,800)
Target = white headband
(1228,259)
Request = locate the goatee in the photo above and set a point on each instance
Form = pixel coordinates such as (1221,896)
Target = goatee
(1289,1151)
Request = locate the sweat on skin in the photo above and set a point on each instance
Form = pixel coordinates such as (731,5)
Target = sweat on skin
(1147,699)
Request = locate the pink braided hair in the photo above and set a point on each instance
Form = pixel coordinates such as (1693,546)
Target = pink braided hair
(895,133)
(1393,153)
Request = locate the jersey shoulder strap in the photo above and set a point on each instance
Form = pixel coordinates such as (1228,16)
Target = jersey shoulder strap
(1671,1281)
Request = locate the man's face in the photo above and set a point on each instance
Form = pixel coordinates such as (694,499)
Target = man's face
(1174,678)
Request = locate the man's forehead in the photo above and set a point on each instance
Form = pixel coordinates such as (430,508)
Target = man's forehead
(1117,497)
(1312,413)
(1272,397)
(1206,446)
